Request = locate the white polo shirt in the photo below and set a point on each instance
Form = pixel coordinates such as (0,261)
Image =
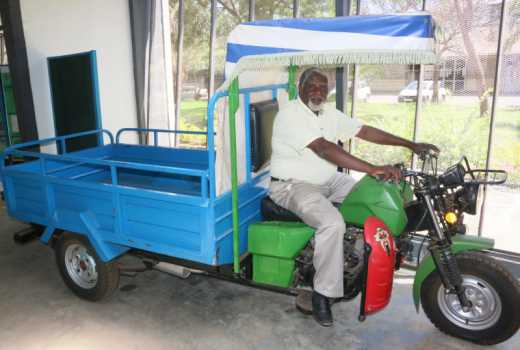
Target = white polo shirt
(295,127)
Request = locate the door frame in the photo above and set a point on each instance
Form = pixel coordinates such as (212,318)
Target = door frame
(95,90)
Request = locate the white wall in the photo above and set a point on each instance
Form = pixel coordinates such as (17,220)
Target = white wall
(61,27)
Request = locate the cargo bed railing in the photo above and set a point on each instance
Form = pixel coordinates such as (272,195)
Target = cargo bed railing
(60,140)
(113,165)
(156,133)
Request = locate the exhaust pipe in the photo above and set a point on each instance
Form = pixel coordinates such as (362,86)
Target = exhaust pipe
(176,270)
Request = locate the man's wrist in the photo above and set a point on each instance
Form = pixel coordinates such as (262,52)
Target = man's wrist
(411,145)
(371,170)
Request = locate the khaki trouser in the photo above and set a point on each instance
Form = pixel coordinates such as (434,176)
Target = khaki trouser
(313,204)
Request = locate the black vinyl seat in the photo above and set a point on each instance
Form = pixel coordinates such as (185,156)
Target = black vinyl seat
(262,115)
(273,212)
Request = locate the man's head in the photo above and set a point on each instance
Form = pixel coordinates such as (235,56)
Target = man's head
(313,88)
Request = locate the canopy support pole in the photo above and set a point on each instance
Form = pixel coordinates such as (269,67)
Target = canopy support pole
(292,89)
(233,102)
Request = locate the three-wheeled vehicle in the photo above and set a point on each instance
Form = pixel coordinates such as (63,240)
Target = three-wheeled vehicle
(207,211)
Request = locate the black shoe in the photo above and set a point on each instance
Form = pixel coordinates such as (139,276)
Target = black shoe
(321,309)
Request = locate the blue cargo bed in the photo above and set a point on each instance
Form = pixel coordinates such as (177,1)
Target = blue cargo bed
(122,196)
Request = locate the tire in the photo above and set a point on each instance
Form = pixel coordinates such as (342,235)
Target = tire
(82,270)
(487,282)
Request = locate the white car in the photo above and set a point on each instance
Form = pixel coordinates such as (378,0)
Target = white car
(409,92)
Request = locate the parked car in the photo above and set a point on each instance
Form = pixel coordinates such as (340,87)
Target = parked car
(363,91)
(409,92)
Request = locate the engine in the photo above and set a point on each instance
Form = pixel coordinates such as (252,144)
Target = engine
(353,246)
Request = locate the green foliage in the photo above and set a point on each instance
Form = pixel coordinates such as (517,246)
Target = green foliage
(393,118)
(197,22)
(457,130)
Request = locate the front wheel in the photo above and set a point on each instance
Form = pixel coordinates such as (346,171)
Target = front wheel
(82,270)
(493,292)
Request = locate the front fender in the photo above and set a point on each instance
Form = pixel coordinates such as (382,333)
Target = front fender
(460,243)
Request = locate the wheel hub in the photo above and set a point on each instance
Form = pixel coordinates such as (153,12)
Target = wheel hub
(485,307)
(81,266)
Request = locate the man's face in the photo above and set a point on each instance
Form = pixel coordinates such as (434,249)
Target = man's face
(314,91)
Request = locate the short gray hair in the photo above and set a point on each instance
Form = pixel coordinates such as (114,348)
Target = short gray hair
(308,73)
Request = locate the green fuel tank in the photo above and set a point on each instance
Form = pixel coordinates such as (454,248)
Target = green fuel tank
(372,197)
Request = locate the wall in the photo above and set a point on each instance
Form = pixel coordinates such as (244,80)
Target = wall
(61,27)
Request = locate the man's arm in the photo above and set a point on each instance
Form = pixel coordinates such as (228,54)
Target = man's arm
(337,155)
(371,134)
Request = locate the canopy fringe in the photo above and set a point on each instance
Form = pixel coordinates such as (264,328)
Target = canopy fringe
(262,62)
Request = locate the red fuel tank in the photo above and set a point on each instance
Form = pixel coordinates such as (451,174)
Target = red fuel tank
(381,264)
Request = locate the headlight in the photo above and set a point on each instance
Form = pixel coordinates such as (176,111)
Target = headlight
(453,176)
(450,217)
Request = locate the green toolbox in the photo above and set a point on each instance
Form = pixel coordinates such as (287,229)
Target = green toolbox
(274,246)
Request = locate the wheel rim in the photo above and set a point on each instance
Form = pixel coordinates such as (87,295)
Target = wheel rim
(81,266)
(486,304)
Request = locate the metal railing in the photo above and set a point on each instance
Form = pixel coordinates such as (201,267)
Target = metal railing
(112,165)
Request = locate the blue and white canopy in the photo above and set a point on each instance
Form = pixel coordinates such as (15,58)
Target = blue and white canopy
(388,39)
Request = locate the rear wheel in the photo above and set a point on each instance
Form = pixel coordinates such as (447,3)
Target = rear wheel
(493,292)
(82,270)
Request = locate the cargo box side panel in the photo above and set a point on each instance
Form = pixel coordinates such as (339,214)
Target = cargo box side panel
(167,227)
(71,201)
(249,199)
(186,158)
(25,197)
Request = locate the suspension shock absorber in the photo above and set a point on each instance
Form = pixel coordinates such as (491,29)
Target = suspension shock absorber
(445,260)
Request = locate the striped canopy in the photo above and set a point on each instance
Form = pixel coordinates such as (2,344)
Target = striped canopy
(388,39)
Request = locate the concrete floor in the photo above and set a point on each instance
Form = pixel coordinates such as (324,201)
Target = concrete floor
(37,311)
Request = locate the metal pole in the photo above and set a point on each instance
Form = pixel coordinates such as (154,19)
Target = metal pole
(178,75)
(418,102)
(212,36)
(342,9)
(355,74)
(296,8)
(251,10)
(493,113)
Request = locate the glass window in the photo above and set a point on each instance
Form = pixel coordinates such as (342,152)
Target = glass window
(271,9)
(503,202)
(456,117)
(194,72)
(317,8)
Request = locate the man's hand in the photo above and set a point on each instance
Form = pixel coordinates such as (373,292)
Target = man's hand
(423,148)
(387,172)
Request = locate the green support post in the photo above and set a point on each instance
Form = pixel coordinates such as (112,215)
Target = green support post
(292,89)
(233,102)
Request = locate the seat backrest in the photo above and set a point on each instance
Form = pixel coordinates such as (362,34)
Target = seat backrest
(262,116)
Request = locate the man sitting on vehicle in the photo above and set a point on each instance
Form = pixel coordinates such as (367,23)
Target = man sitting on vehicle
(305,180)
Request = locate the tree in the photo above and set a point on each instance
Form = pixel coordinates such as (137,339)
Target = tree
(512,24)
(466,19)
(197,21)
(447,33)
(396,6)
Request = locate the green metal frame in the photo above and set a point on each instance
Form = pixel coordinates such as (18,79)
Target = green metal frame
(460,243)
(233,103)
(293,90)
